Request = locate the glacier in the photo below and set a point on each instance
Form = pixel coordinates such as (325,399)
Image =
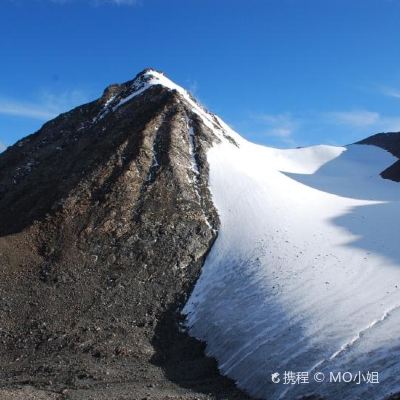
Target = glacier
(305,273)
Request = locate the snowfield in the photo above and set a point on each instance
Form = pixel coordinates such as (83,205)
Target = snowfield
(305,273)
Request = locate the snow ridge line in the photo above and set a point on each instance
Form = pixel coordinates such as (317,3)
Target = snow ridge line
(154,162)
(194,166)
(361,333)
(192,149)
(348,345)
(356,338)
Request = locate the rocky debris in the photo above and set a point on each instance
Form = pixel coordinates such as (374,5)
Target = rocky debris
(104,229)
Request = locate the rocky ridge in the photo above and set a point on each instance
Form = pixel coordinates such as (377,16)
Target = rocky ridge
(390,142)
(106,219)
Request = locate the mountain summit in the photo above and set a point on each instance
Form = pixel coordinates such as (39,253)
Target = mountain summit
(106,218)
(136,219)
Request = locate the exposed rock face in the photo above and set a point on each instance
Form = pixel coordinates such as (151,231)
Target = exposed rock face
(106,219)
(390,142)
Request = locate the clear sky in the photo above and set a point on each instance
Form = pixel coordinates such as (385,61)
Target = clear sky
(281,72)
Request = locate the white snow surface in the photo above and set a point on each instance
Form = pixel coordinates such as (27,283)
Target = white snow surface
(305,273)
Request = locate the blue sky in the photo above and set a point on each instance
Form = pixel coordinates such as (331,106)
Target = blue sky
(281,72)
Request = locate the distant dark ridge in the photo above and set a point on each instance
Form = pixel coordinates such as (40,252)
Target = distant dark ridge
(389,141)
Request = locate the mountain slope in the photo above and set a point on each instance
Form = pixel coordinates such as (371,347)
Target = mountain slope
(106,218)
(108,214)
(305,273)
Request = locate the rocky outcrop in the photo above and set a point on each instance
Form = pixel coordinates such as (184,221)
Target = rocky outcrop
(391,143)
(106,219)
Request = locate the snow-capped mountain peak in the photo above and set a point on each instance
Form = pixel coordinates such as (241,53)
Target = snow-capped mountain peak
(115,97)
(114,209)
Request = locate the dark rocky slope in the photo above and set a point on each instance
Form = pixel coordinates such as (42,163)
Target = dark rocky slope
(390,142)
(104,226)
